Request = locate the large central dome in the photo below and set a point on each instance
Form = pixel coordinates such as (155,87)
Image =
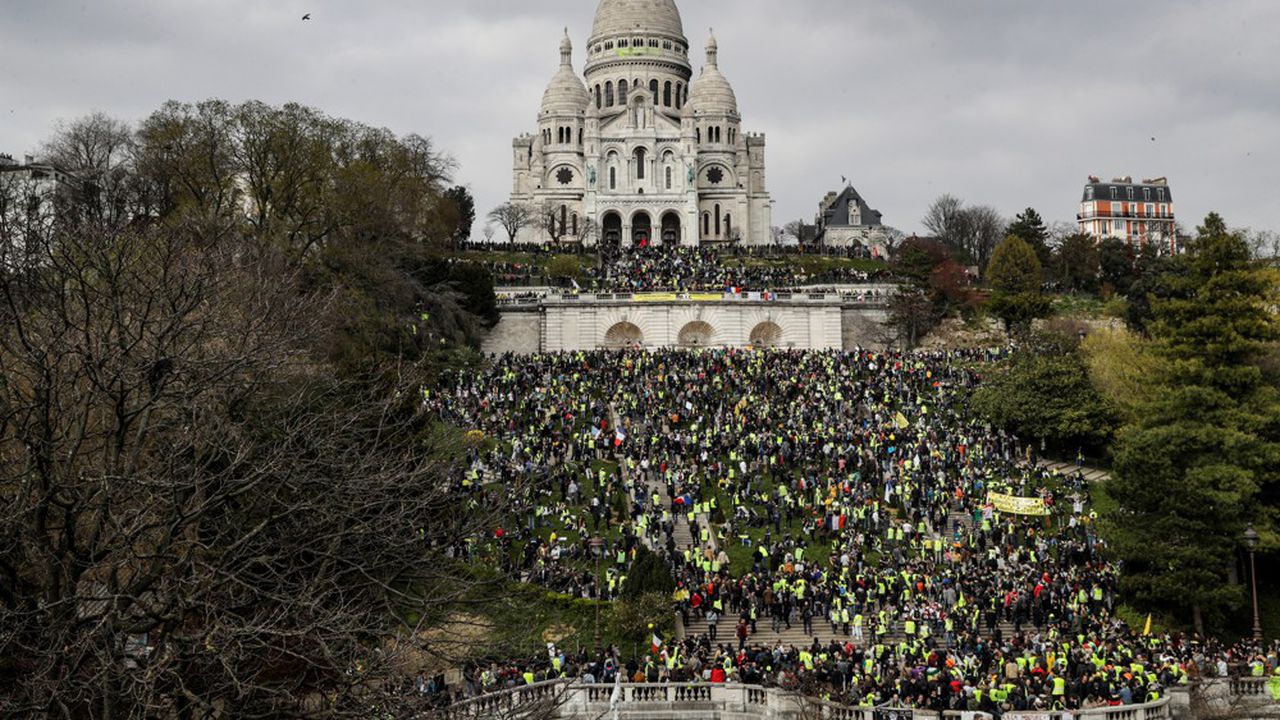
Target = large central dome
(617,17)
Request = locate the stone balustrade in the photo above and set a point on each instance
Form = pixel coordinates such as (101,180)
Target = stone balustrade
(571,701)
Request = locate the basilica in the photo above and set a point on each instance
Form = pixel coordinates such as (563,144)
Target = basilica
(642,153)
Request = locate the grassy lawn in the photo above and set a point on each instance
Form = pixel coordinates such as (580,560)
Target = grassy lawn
(502,620)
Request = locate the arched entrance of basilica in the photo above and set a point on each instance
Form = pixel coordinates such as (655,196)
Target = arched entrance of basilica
(670,228)
(641,229)
(611,230)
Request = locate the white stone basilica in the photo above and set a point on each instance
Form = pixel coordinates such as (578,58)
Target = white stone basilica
(639,154)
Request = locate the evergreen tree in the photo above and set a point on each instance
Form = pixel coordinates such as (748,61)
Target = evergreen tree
(1031,228)
(1115,261)
(1202,461)
(1015,277)
(1047,396)
(648,574)
(1078,263)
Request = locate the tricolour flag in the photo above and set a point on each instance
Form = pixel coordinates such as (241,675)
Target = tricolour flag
(656,642)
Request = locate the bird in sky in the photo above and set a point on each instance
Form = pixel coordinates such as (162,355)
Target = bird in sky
(307,16)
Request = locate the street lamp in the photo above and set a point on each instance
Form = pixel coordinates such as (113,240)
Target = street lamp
(597,549)
(1251,541)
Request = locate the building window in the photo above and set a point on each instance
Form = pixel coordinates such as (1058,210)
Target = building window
(622,43)
(1160,194)
(622,92)
(697,135)
(564,219)
(639,163)
(653,89)
(653,43)
(1088,193)
(1130,193)
(1115,193)
(1151,209)
(717,219)
(679,104)
(666,94)
(574,219)
(728,225)
(706,224)
(668,177)
(599,98)
(608,94)
(666,44)
(613,178)
(1146,193)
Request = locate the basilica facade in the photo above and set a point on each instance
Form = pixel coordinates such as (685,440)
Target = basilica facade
(642,153)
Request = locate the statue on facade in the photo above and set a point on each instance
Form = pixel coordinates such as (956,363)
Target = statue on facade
(591,175)
(692,175)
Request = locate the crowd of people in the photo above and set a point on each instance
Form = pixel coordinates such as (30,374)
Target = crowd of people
(927,560)
(675,269)
(690,269)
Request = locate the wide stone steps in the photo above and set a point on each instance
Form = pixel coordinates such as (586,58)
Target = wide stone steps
(726,633)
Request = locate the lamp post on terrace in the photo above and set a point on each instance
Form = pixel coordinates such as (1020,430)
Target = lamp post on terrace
(1251,541)
(597,549)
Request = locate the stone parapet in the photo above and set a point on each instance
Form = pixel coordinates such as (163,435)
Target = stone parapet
(701,701)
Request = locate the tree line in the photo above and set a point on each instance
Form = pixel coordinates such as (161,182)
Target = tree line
(1184,403)
(223,495)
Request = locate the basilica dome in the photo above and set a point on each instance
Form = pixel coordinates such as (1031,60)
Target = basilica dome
(618,17)
(711,93)
(565,94)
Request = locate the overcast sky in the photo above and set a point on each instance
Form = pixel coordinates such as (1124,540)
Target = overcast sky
(1010,103)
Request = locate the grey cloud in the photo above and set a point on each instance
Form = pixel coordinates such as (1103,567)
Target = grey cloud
(1007,102)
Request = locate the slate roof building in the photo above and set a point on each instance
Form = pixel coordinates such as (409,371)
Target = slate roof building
(642,152)
(846,220)
(1137,213)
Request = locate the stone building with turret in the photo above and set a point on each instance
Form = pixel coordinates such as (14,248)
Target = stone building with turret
(641,152)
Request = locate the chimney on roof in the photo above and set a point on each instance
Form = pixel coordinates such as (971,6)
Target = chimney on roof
(1094,179)
(1128,179)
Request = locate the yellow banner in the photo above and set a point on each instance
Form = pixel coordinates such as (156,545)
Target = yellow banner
(1017,505)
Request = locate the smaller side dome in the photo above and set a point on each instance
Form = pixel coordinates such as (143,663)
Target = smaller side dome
(711,93)
(565,94)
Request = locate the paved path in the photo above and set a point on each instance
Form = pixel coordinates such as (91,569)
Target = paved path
(1090,474)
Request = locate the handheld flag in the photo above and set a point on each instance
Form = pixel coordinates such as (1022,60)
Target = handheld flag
(902,421)
(1146,630)
(656,641)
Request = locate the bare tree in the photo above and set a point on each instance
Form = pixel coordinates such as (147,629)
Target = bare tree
(986,229)
(944,219)
(795,230)
(973,232)
(890,238)
(588,232)
(512,217)
(488,232)
(201,522)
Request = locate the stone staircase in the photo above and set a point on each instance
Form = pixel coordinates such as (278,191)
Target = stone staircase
(726,633)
